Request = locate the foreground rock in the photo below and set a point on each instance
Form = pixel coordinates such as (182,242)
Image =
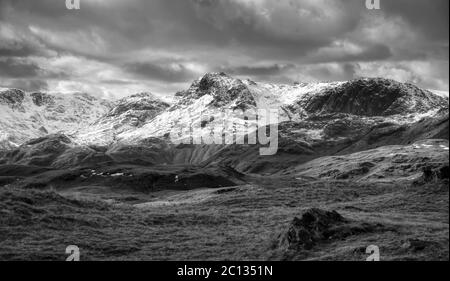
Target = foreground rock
(319,226)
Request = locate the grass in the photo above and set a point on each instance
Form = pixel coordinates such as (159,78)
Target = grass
(241,223)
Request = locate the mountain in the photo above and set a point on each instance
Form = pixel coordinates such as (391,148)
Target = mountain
(126,114)
(24,116)
(208,103)
(373,97)
(315,120)
(217,101)
(214,101)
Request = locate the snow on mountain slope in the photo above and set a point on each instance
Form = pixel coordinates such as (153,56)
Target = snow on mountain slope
(283,96)
(315,120)
(440,93)
(373,97)
(24,116)
(127,114)
(213,97)
(215,103)
(212,105)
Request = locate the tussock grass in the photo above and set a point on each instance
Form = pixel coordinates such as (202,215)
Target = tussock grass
(239,224)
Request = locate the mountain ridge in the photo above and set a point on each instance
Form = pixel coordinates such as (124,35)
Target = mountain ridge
(138,117)
(28,115)
(135,130)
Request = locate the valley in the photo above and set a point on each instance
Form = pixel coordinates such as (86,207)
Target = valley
(358,163)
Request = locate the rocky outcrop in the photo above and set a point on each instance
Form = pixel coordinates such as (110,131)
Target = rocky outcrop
(41,99)
(434,174)
(24,116)
(12,97)
(224,90)
(373,97)
(320,226)
(143,106)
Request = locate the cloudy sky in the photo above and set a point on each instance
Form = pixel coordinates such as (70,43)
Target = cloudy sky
(113,48)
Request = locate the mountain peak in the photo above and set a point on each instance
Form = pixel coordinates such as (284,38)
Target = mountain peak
(373,97)
(224,90)
(25,116)
(215,79)
(142,95)
(12,97)
(144,101)
(41,99)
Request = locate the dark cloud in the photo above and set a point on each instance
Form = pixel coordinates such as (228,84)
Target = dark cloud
(275,69)
(22,68)
(13,68)
(166,73)
(330,72)
(430,17)
(173,41)
(117,82)
(29,85)
(375,52)
(15,49)
(192,23)
(16,43)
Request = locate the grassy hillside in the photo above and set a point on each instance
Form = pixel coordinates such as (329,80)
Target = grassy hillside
(243,222)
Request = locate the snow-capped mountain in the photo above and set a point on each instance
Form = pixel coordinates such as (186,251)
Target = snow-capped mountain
(215,101)
(24,116)
(127,114)
(315,120)
(372,97)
